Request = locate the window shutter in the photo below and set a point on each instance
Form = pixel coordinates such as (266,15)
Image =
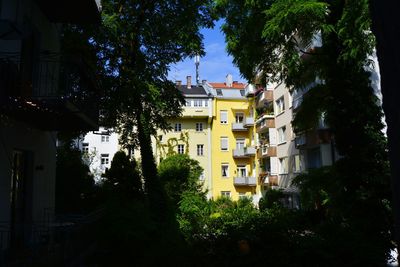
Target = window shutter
(224,116)
(224,143)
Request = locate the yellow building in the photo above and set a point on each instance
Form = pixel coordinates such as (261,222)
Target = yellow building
(234,165)
(191,133)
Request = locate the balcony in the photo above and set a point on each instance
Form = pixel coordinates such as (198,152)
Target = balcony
(265,122)
(249,122)
(245,181)
(265,97)
(300,140)
(71,11)
(249,90)
(267,151)
(238,127)
(272,180)
(244,152)
(197,112)
(50,93)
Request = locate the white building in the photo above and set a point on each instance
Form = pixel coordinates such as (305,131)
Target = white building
(99,148)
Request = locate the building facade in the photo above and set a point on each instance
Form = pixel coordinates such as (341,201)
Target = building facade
(234,165)
(41,92)
(191,133)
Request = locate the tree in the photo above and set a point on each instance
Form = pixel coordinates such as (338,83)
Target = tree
(123,176)
(180,174)
(279,31)
(134,48)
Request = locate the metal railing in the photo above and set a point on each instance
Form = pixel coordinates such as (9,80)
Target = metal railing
(48,78)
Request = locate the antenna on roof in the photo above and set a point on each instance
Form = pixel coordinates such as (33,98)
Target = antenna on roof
(197,63)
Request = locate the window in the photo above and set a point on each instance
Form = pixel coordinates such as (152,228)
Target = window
(280,105)
(104,160)
(240,143)
(200,150)
(224,116)
(105,138)
(197,103)
(85,147)
(181,149)
(242,92)
(219,92)
(225,170)
(241,171)
(297,164)
(206,103)
(188,103)
(224,143)
(283,166)
(178,127)
(199,126)
(226,193)
(282,134)
(239,117)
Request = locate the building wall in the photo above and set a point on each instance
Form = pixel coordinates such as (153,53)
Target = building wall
(220,184)
(97,145)
(41,168)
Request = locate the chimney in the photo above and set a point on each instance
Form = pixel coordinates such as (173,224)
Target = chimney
(203,82)
(178,83)
(229,80)
(189,82)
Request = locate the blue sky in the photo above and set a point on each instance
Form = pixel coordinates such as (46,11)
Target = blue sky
(214,66)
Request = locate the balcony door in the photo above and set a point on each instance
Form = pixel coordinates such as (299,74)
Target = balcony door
(20,199)
(239,117)
(241,171)
(240,143)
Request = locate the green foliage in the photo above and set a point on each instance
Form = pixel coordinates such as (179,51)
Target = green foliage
(180,174)
(74,183)
(271,199)
(123,177)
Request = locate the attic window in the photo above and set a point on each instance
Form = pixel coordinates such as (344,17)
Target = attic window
(219,92)
(242,92)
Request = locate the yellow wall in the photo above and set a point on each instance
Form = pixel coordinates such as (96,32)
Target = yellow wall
(219,157)
(195,138)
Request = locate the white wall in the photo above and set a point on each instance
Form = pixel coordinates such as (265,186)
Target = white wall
(97,147)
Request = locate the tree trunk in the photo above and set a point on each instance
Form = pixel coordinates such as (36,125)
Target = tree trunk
(152,184)
(386,27)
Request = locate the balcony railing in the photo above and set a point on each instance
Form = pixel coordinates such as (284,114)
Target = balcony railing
(300,140)
(265,97)
(244,152)
(248,122)
(249,90)
(238,127)
(245,181)
(50,93)
(264,123)
(267,151)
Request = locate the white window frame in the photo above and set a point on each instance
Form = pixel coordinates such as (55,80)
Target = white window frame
(200,150)
(282,135)
(240,169)
(85,147)
(226,194)
(280,105)
(105,138)
(199,126)
(226,167)
(178,127)
(104,159)
(222,114)
(181,149)
(240,143)
(283,165)
(239,117)
(224,139)
(299,168)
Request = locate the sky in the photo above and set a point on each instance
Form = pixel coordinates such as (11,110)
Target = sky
(214,66)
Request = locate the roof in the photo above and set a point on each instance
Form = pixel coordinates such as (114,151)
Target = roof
(194,90)
(235,85)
